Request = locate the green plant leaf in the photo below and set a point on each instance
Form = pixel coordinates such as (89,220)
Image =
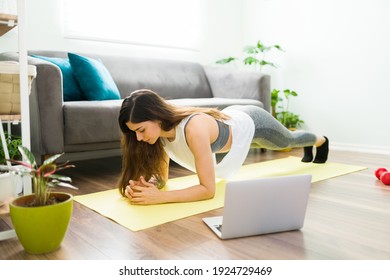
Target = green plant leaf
(226,60)
(288,93)
(47,169)
(64,167)
(18,162)
(29,157)
(263,62)
(54,184)
(60,178)
(250,60)
(261,46)
(278,47)
(52,159)
(274,97)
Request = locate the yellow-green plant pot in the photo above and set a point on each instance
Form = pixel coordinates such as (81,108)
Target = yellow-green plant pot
(41,229)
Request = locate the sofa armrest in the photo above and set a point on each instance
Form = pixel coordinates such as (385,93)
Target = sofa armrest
(46,101)
(228,83)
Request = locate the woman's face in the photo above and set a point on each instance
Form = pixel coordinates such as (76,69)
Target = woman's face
(148,131)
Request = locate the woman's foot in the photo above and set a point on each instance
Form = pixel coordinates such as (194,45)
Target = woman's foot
(322,152)
(308,154)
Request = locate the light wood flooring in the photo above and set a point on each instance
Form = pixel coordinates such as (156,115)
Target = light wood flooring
(348,217)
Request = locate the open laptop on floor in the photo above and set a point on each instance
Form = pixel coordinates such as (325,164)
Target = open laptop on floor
(262,206)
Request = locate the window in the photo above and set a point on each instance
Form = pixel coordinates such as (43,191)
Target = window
(167,23)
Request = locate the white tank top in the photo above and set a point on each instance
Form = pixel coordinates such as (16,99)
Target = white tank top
(243,130)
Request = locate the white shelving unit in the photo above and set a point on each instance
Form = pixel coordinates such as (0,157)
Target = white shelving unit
(7,22)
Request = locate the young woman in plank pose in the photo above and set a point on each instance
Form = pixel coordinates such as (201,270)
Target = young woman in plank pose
(155,131)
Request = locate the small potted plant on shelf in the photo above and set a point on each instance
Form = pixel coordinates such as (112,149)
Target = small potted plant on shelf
(13,142)
(41,219)
(280,109)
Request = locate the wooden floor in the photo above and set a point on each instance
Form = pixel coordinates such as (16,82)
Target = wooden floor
(348,217)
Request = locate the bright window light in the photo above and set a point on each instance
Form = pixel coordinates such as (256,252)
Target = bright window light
(162,23)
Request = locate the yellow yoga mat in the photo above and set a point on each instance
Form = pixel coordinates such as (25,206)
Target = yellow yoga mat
(112,205)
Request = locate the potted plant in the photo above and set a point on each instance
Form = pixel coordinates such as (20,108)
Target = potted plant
(41,219)
(280,109)
(255,55)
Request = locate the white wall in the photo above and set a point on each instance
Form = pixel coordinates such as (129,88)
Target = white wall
(336,56)
(221,27)
(337,59)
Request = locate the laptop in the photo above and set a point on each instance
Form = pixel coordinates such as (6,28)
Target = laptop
(262,206)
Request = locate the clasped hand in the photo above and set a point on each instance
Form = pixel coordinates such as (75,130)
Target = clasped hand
(142,192)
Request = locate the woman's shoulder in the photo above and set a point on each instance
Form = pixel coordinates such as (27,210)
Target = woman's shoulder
(200,119)
(200,124)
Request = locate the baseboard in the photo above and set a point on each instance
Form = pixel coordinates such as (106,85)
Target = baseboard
(382,150)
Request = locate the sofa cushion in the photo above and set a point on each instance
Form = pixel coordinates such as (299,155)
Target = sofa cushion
(171,79)
(71,88)
(94,78)
(216,102)
(91,121)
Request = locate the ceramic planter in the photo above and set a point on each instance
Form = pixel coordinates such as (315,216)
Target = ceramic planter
(7,189)
(10,186)
(41,229)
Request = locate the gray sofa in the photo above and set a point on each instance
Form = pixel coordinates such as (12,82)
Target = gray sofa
(90,127)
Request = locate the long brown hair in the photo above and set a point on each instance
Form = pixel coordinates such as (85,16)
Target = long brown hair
(140,158)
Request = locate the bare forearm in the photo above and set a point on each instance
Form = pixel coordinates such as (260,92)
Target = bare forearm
(142,192)
(194,193)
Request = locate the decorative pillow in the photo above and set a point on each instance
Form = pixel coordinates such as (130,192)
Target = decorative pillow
(94,78)
(71,88)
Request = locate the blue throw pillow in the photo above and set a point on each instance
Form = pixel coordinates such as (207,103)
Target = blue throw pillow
(94,78)
(71,88)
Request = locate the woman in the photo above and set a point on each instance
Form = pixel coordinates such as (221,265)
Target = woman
(155,131)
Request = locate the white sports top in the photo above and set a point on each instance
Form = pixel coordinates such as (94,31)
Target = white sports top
(243,130)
